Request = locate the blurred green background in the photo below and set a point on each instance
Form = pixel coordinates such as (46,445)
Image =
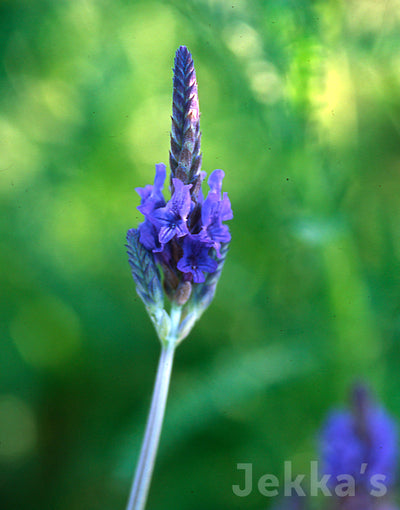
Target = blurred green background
(300,106)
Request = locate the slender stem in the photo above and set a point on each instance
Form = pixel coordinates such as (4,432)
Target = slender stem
(145,466)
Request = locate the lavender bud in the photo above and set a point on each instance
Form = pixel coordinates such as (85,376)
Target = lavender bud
(182,293)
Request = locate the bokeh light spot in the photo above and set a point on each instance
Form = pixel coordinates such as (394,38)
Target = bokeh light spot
(18,432)
(47,332)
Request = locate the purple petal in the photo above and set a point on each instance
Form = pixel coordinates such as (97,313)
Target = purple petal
(162,217)
(219,233)
(166,234)
(215,181)
(168,231)
(151,196)
(198,276)
(159,178)
(180,201)
(145,192)
(195,259)
(181,229)
(208,264)
(184,265)
(209,211)
(226,209)
(148,235)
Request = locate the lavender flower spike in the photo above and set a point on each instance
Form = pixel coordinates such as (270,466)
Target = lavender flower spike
(184,236)
(177,253)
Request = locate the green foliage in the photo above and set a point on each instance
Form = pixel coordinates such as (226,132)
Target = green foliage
(300,107)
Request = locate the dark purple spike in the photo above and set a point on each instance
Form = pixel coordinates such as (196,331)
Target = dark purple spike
(185,131)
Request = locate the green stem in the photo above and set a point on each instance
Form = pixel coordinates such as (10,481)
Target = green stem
(145,466)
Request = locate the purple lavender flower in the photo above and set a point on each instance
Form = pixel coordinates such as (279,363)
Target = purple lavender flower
(185,235)
(171,220)
(152,195)
(362,443)
(196,259)
(214,212)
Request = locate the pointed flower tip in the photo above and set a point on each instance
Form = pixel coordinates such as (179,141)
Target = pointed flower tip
(183,50)
(183,60)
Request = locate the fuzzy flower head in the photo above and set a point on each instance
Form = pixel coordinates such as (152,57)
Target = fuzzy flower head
(184,234)
(360,442)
